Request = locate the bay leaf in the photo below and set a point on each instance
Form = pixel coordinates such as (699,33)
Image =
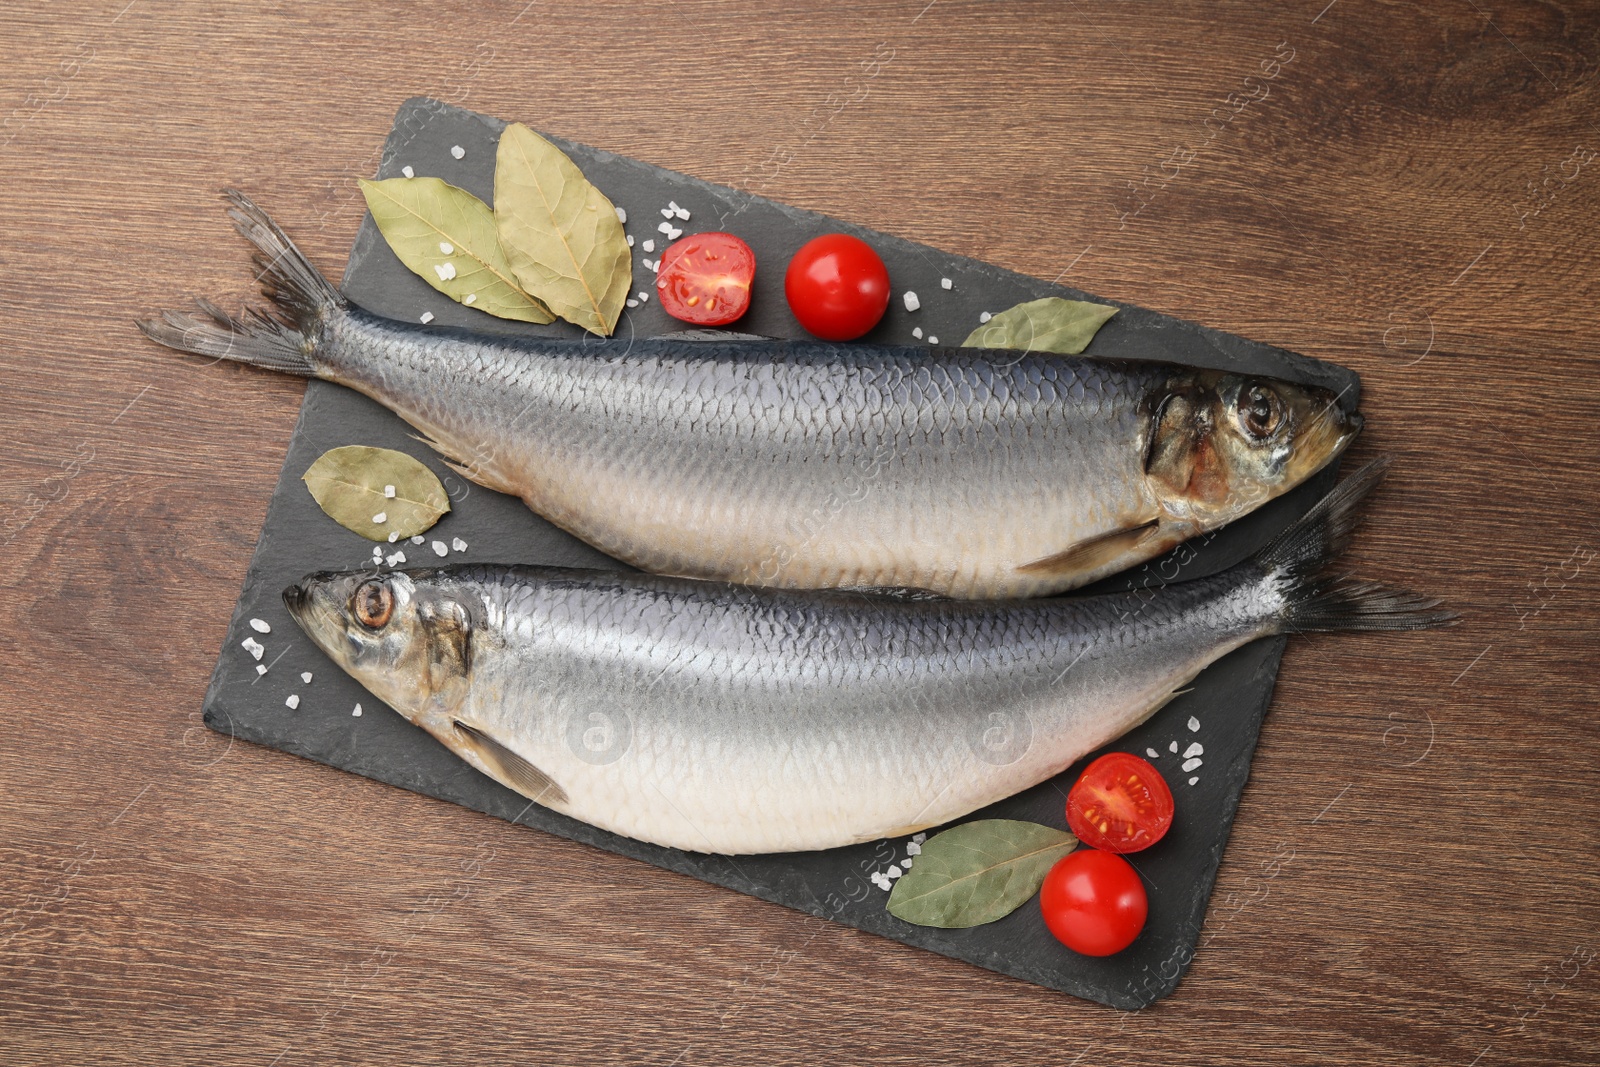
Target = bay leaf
(978,872)
(1050,324)
(349,482)
(422,217)
(561,235)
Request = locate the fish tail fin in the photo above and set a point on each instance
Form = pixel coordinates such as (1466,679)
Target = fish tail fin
(284,340)
(1298,559)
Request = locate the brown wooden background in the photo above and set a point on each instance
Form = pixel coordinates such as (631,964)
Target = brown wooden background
(1413,192)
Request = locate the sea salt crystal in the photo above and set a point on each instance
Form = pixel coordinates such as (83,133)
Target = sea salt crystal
(260,626)
(1195,749)
(932,340)
(917,332)
(305,676)
(380,518)
(446,247)
(417,539)
(649,246)
(644,297)
(408,172)
(894,871)
(1194,724)
(427,317)
(912,303)
(356,711)
(1152,753)
(394,535)
(672,232)
(667,212)
(293,701)
(1195,780)
(622,216)
(445,271)
(907,864)
(985,317)
(1173,747)
(630,240)
(459,545)
(457,151)
(913,849)
(440,548)
(630,303)
(252,646)
(1192,764)
(655,267)
(398,557)
(388,492)
(946,283)
(261,668)
(470,298)
(919,838)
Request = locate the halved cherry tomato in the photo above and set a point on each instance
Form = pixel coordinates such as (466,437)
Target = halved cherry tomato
(837,286)
(705,279)
(1094,902)
(1120,803)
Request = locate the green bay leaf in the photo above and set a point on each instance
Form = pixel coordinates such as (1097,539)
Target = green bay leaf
(978,872)
(1050,324)
(349,484)
(448,237)
(561,235)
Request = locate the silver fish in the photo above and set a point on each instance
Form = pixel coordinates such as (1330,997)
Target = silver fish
(721,718)
(967,472)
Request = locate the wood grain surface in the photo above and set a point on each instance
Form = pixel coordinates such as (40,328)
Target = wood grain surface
(1410,190)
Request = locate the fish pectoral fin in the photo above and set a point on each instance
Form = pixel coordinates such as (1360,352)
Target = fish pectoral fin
(512,769)
(1094,553)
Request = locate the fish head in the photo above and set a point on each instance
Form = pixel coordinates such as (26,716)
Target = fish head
(407,637)
(1222,445)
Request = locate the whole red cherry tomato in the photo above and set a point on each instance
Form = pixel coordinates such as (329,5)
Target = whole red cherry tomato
(1094,902)
(705,279)
(837,287)
(1120,803)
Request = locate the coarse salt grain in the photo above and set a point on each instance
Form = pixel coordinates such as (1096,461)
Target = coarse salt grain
(1195,749)
(913,849)
(666,212)
(457,151)
(440,548)
(932,340)
(917,332)
(907,864)
(649,246)
(261,668)
(1195,780)
(1173,747)
(1192,764)
(293,701)
(630,240)
(630,303)
(445,271)
(946,283)
(682,213)
(912,303)
(427,317)
(644,297)
(388,492)
(394,535)
(985,317)
(655,268)
(1194,724)
(356,711)
(408,172)
(417,539)
(458,544)
(919,838)
(894,871)
(398,557)
(470,298)
(380,518)
(260,626)
(446,247)
(252,646)
(1152,753)
(305,676)
(622,216)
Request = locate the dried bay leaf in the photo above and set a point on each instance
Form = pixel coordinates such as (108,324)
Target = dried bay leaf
(1050,324)
(978,872)
(561,235)
(422,217)
(349,482)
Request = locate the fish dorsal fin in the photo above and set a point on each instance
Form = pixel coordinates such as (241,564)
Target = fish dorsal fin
(513,770)
(710,335)
(1094,553)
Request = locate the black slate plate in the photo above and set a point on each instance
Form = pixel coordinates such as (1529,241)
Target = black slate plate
(1228,701)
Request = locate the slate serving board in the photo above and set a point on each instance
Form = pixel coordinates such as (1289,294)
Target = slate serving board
(1228,700)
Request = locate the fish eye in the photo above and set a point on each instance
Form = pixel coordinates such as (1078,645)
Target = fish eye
(372,604)
(1260,412)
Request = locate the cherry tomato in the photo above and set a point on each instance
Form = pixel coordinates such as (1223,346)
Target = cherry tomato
(1094,902)
(837,287)
(1120,803)
(705,279)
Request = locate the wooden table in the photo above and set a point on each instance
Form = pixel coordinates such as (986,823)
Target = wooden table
(1412,193)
